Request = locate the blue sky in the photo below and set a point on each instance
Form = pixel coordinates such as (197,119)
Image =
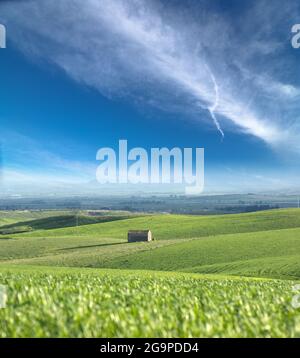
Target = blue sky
(77,76)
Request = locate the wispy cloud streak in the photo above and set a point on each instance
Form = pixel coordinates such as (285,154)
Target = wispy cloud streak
(215,105)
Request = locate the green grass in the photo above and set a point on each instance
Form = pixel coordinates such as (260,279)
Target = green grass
(269,253)
(53,222)
(69,251)
(124,292)
(103,303)
(286,267)
(166,227)
(272,251)
(14,216)
(261,254)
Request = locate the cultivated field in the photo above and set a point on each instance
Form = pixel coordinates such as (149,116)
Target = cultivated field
(75,275)
(102,303)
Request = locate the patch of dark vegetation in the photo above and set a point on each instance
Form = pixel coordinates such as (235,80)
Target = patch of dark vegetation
(247,208)
(56,222)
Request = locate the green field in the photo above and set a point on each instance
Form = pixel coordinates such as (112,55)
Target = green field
(183,226)
(56,220)
(102,303)
(228,275)
(15,216)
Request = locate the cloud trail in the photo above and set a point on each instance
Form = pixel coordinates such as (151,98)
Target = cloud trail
(215,104)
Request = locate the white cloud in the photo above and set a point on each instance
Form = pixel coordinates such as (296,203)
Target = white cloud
(130,48)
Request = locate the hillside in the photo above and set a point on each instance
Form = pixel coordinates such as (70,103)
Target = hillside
(87,281)
(166,227)
(15,216)
(214,244)
(274,253)
(58,221)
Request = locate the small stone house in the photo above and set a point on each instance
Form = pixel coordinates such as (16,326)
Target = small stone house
(139,235)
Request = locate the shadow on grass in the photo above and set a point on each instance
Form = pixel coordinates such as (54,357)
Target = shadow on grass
(90,246)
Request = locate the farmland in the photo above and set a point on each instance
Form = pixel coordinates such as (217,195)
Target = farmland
(103,303)
(75,275)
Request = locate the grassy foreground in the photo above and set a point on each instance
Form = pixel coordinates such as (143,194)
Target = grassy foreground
(117,289)
(44,302)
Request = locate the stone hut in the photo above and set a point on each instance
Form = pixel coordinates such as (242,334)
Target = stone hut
(139,235)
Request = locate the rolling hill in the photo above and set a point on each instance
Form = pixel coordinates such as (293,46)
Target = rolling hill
(166,226)
(15,216)
(59,221)
(274,253)
(243,244)
(87,281)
